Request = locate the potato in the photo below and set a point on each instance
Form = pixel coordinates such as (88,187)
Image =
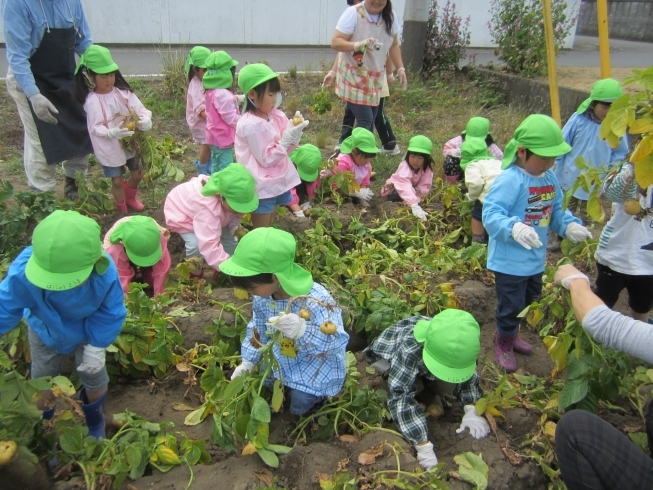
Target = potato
(305,314)
(328,328)
(632,207)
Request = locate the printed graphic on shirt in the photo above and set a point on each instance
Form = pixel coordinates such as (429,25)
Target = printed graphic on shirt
(358,57)
(540,205)
(288,348)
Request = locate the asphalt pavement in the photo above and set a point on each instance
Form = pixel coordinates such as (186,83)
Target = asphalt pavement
(147,61)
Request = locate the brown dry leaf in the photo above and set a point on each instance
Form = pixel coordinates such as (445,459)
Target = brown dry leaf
(249,449)
(634,428)
(514,458)
(456,475)
(325,480)
(265,475)
(349,438)
(190,380)
(343,464)
(492,422)
(182,366)
(131,487)
(369,457)
(434,411)
(182,407)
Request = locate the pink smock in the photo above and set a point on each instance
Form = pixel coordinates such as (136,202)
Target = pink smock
(222,116)
(410,185)
(362,173)
(194,106)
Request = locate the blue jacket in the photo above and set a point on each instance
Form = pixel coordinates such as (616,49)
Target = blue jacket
(535,201)
(25,21)
(93,312)
(582,133)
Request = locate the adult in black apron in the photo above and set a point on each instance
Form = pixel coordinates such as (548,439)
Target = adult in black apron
(53,67)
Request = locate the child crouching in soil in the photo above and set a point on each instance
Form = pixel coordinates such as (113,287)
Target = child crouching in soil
(356,152)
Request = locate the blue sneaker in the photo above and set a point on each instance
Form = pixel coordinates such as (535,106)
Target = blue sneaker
(203,169)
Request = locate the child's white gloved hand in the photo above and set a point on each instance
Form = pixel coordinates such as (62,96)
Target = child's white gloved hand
(477,425)
(92,360)
(526,236)
(240,98)
(244,366)
(363,193)
(299,214)
(418,211)
(456,153)
(146,123)
(119,133)
(292,134)
(306,205)
(577,233)
(329,78)
(290,325)
(426,456)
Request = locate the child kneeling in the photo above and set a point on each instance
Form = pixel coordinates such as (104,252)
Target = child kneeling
(307,158)
(356,152)
(311,363)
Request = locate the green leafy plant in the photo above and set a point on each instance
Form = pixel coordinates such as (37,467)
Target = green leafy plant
(321,102)
(447,38)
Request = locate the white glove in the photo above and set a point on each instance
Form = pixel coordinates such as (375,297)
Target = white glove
(526,236)
(401,75)
(567,273)
(365,194)
(329,78)
(306,205)
(299,214)
(240,98)
(426,456)
(43,108)
(119,133)
(477,425)
(418,211)
(629,173)
(290,325)
(390,77)
(456,153)
(92,360)
(240,370)
(577,233)
(299,136)
(146,123)
(292,133)
(364,44)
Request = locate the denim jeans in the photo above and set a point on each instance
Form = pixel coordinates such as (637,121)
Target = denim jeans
(302,403)
(381,123)
(514,293)
(364,116)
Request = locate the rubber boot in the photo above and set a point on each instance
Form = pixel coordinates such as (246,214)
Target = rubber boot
(521,346)
(504,350)
(121,207)
(70,189)
(203,169)
(94,413)
(130,198)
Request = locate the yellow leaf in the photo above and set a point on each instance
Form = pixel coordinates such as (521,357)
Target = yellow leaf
(644,148)
(613,140)
(644,172)
(552,404)
(241,294)
(594,208)
(642,125)
(481,405)
(496,413)
(249,449)
(550,429)
(619,123)
(167,456)
(277,396)
(446,287)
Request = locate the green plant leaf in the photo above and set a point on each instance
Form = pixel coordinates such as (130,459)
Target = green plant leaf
(278,449)
(573,391)
(261,410)
(72,440)
(277,396)
(268,457)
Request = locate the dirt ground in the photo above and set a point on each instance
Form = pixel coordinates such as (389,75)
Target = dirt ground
(583,77)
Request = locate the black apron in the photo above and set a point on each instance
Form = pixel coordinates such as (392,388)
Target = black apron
(53,67)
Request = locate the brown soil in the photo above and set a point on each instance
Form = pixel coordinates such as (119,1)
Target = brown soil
(583,77)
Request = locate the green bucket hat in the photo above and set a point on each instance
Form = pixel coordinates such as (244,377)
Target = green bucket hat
(452,341)
(360,138)
(251,76)
(236,185)
(197,57)
(141,238)
(218,70)
(539,134)
(97,59)
(606,90)
(269,250)
(307,158)
(66,247)
(420,144)
(473,150)
(477,127)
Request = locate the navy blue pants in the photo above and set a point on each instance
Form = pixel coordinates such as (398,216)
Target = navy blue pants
(514,293)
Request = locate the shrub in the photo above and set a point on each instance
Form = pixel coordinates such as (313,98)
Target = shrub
(447,38)
(517,29)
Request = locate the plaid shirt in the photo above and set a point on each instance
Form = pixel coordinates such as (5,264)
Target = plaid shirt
(319,366)
(398,346)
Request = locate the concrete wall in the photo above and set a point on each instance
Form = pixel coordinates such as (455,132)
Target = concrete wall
(626,20)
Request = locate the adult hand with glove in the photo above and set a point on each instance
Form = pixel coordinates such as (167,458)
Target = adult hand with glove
(43,108)
(92,360)
(146,123)
(292,134)
(119,133)
(577,233)
(567,273)
(364,193)
(426,456)
(329,78)
(477,425)
(364,44)
(418,211)
(526,236)
(241,369)
(290,325)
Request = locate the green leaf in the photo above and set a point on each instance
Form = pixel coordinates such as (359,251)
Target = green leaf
(572,392)
(72,440)
(277,396)
(241,425)
(268,457)
(64,385)
(139,350)
(41,384)
(260,410)
(210,378)
(472,469)
(278,448)
(234,387)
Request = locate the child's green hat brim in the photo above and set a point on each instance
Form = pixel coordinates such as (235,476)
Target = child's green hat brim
(362,139)
(541,135)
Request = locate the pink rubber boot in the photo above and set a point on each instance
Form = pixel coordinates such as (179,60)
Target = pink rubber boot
(121,207)
(504,349)
(521,346)
(130,198)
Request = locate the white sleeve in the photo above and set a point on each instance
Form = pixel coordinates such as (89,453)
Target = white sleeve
(348,20)
(396,27)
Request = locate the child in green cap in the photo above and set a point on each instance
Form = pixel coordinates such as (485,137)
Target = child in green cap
(69,293)
(307,158)
(264,139)
(137,244)
(109,102)
(476,127)
(524,201)
(312,353)
(356,153)
(440,354)
(196,106)
(206,212)
(413,179)
(481,169)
